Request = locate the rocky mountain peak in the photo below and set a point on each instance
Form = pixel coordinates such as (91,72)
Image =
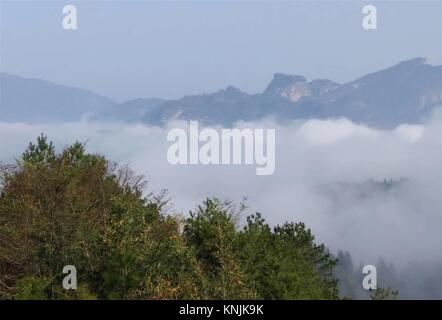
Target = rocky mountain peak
(294,87)
(282,81)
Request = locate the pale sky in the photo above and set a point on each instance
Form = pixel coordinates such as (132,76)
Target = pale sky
(130,49)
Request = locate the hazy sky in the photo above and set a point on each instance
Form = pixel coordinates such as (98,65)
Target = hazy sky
(128,49)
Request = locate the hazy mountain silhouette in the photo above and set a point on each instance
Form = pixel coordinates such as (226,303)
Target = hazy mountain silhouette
(129,111)
(35,100)
(404,93)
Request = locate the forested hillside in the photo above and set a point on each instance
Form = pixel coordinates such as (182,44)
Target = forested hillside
(75,208)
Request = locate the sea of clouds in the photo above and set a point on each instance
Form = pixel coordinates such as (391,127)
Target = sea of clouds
(313,159)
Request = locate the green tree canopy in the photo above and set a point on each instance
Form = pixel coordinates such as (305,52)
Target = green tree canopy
(76,208)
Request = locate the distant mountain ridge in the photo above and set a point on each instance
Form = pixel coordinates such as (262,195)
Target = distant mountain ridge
(39,101)
(406,92)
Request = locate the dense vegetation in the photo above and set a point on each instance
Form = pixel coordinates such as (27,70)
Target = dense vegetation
(75,208)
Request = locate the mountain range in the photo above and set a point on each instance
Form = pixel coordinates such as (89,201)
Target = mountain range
(39,101)
(404,93)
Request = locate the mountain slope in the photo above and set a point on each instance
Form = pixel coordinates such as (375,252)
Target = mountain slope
(406,92)
(35,100)
(129,111)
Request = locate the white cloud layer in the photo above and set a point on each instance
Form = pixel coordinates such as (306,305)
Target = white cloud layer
(312,158)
